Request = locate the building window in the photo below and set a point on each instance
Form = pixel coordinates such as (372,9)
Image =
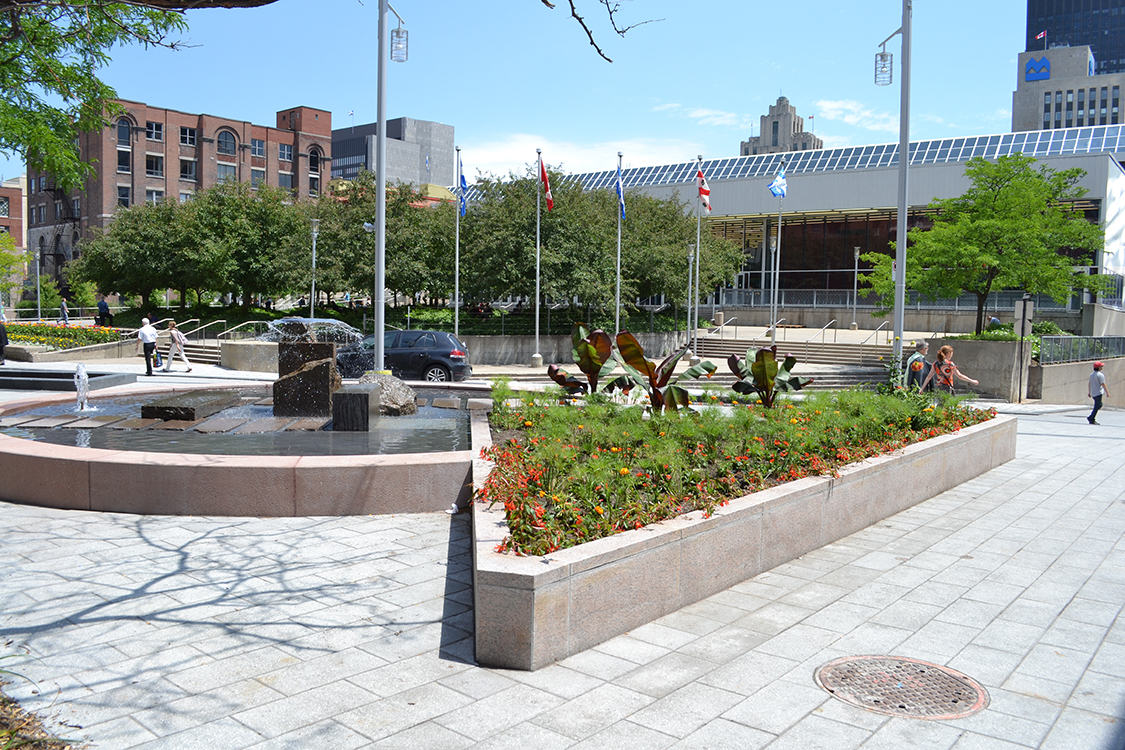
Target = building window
(124,160)
(76,206)
(227,173)
(227,143)
(774,134)
(123,196)
(187,136)
(154,131)
(42,184)
(314,161)
(314,185)
(4,207)
(124,132)
(285,151)
(285,180)
(42,214)
(257,177)
(187,169)
(58,211)
(257,147)
(152,197)
(185,197)
(154,165)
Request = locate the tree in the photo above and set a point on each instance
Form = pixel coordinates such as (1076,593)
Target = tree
(1013,229)
(12,266)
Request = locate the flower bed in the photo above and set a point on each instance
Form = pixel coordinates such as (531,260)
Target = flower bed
(59,336)
(567,475)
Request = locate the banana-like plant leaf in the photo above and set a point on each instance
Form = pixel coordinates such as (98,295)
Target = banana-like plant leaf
(667,368)
(591,351)
(565,379)
(695,371)
(765,368)
(633,355)
(676,397)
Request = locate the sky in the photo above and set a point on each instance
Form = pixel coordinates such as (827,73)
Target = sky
(514,75)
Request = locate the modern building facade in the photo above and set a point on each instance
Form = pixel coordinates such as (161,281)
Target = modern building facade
(419,152)
(149,154)
(1058,88)
(843,199)
(781,130)
(1099,24)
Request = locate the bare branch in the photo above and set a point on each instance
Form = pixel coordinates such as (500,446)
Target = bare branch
(612,7)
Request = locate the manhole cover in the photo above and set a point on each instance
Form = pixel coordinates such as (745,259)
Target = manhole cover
(902,687)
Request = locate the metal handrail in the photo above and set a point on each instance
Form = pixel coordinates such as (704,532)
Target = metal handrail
(776,323)
(202,327)
(939,330)
(227,332)
(820,332)
(719,328)
(873,333)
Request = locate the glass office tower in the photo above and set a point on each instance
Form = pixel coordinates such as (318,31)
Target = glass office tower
(1097,23)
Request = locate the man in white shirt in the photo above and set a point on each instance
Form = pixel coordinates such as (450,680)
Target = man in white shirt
(1097,390)
(146,335)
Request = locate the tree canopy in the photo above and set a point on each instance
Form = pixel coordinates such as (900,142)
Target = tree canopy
(1016,227)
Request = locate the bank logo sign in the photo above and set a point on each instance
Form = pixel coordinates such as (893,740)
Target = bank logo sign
(1037,70)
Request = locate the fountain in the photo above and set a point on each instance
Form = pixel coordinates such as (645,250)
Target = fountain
(231,451)
(82,386)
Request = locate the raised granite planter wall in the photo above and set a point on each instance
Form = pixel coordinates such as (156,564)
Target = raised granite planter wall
(532,611)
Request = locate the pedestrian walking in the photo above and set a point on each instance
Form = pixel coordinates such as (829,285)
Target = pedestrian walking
(64,312)
(917,368)
(105,318)
(944,371)
(146,336)
(179,341)
(1097,390)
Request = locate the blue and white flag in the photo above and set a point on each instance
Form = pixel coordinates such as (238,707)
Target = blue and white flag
(778,186)
(464,184)
(620,192)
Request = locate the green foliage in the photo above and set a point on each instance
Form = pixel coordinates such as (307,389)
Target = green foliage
(578,474)
(83,295)
(12,266)
(593,353)
(1012,229)
(764,377)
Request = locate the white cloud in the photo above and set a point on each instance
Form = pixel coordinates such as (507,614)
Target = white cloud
(716,117)
(851,112)
(515,152)
(664,107)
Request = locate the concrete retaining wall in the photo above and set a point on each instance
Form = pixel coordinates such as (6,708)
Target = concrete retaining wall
(533,611)
(1099,320)
(251,356)
(1069,382)
(964,321)
(993,363)
(517,350)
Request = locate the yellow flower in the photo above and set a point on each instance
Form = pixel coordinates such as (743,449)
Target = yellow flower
(581,426)
(623,471)
(793,421)
(527,423)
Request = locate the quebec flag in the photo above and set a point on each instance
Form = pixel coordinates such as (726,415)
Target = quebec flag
(620,193)
(778,186)
(464,185)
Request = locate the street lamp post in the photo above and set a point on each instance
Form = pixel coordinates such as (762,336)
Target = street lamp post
(378,301)
(855,290)
(312,297)
(690,258)
(883,78)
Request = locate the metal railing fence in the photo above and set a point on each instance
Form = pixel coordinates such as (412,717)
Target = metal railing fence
(997,301)
(1058,349)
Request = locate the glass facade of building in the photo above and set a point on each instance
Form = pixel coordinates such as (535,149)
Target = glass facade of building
(1097,23)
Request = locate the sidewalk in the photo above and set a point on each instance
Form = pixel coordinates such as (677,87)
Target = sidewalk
(183,632)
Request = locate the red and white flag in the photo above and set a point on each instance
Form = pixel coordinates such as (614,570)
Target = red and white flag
(704,190)
(546,184)
(1041,35)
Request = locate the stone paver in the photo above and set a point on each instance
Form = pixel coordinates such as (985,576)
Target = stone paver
(154,632)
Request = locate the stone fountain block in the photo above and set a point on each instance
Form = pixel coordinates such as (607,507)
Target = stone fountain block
(355,407)
(308,378)
(189,406)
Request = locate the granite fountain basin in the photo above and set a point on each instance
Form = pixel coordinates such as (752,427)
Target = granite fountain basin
(82,476)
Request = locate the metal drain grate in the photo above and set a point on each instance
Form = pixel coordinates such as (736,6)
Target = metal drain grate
(902,687)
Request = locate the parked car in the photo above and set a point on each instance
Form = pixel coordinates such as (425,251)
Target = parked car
(435,356)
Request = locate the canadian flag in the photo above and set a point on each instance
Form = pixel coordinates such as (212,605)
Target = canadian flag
(546,184)
(704,191)
(1041,35)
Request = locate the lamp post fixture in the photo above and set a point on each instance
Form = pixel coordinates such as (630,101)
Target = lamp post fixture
(883,75)
(855,290)
(312,297)
(399,54)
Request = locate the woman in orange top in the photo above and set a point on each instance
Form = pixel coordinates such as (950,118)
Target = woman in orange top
(944,371)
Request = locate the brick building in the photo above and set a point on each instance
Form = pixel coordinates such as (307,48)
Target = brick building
(12,201)
(150,154)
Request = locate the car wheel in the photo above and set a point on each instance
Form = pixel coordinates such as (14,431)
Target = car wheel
(436,374)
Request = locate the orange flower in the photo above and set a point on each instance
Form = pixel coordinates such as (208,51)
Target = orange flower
(598,510)
(527,423)
(623,471)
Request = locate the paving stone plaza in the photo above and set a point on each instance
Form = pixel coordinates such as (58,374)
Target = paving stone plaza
(356,632)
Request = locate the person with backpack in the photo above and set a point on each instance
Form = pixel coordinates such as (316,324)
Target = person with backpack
(944,371)
(917,368)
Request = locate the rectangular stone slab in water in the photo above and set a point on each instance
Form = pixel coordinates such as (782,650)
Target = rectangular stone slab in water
(189,406)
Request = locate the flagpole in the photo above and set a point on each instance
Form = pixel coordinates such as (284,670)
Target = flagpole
(457,251)
(537,358)
(621,198)
(698,268)
(776,275)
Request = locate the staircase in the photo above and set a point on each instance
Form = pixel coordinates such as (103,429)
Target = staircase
(807,352)
(197,354)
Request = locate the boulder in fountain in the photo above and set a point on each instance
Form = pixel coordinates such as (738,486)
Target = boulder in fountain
(396,398)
